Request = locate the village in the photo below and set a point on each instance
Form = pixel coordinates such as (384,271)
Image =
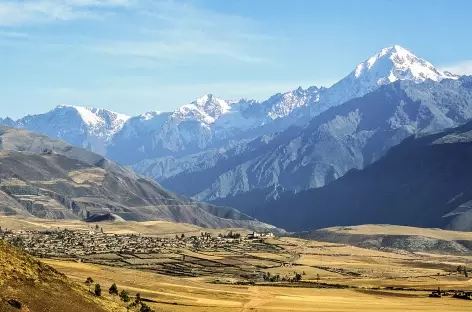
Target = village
(64,243)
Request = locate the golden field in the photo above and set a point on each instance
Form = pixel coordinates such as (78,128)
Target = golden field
(336,277)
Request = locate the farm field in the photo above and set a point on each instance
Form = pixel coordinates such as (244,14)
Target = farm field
(327,270)
(199,273)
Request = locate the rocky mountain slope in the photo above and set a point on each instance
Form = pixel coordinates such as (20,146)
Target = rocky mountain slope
(351,135)
(29,285)
(53,179)
(422,182)
(237,146)
(242,167)
(209,122)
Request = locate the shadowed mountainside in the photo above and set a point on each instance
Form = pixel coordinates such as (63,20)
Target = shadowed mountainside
(423,182)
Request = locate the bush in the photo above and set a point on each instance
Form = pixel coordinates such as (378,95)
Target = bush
(89,282)
(145,308)
(113,290)
(124,296)
(98,290)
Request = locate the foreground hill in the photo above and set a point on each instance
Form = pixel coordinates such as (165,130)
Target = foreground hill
(51,179)
(39,287)
(424,181)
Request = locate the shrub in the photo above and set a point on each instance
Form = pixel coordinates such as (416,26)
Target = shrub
(113,290)
(98,290)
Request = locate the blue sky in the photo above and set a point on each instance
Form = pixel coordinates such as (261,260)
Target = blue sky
(133,56)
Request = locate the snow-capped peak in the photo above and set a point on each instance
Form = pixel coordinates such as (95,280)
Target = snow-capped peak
(387,66)
(397,63)
(212,106)
(96,116)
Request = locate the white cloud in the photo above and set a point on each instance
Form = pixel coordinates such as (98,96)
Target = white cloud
(459,68)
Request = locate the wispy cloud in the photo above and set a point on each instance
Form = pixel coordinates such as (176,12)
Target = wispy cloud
(12,34)
(175,49)
(459,68)
(149,29)
(28,12)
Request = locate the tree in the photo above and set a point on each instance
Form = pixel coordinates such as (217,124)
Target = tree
(98,290)
(465,272)
(145,308)
(138,298)
(182,236)
(89,282)
(124,296)
(298,277)
(113,290)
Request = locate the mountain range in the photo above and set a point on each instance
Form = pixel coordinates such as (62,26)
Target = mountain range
(220,151)
(52,179)
(423,182)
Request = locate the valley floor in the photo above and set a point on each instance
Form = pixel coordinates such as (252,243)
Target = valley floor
(334,276)
(190,294)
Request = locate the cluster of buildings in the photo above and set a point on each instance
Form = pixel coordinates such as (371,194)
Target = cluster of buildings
(67,243)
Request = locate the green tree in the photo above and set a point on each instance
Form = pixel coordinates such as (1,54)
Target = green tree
(113,290)
(124,296)
(145,308)
(98,290)
(89,282)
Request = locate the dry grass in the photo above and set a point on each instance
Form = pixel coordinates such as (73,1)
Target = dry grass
(194,294)
(379,229)
(90,175)
(149,228)
(332,263)
(40,288)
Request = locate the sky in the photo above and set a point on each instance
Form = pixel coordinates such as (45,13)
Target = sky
(133,56)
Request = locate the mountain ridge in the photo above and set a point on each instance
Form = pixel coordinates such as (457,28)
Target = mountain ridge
(209,122)
(352,135)
(421,182)
(198,135)
(52,179)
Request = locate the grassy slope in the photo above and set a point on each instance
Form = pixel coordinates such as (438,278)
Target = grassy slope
(40,287)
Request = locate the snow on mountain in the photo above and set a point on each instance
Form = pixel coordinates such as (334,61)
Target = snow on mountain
(387,66)
(205,109)
(209,122)
(91,128)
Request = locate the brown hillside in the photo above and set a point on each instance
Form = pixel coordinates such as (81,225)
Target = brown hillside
(39,287)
